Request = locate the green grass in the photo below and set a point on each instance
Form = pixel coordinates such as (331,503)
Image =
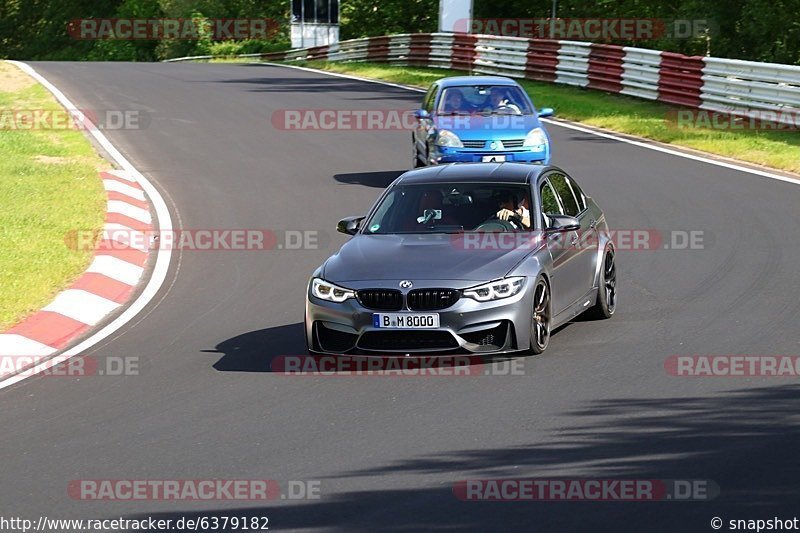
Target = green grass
(623,114)
(49,187)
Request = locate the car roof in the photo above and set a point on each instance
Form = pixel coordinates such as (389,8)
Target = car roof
(475,172)
(456,81)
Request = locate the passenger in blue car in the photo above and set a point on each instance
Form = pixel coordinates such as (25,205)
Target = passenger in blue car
(454,102)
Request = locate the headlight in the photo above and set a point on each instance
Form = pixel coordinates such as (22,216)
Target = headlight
(325,290)
(448,138)
(536,140)
(495,290)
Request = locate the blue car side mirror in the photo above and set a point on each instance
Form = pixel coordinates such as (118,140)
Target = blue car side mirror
(546,112)
(421,114)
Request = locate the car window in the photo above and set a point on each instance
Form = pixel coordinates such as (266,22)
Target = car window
(380,213)
(549,203)
(564,192)
(501,99)
(446,208)
(579,196)
(427,102)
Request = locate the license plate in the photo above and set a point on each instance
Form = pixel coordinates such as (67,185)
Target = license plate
(405,320)
(493,158)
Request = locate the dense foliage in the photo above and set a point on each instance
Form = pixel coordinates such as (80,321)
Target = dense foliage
(37,29)
(761,30)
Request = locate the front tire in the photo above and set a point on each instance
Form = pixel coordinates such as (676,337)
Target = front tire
(606,302)
(541,318)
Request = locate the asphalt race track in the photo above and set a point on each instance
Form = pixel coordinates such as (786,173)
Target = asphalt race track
(598,404)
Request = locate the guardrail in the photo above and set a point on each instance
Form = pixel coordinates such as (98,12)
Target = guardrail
(729,86)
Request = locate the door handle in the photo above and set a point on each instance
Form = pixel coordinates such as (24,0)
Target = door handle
(592,223)
(574,240)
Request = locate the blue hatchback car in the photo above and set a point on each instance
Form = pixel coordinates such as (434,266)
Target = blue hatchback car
(479,119)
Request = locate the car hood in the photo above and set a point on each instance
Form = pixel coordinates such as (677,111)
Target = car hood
(436,256)
(480,127)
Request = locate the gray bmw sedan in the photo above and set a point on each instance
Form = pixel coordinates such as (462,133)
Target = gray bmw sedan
(476,258)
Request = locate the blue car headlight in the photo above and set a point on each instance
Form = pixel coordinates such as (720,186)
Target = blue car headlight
(536,140)
(495,290)
(325,290)
(448,139)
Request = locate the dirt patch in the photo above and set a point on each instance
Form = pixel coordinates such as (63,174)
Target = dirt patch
(51,160)
(100,165)
(12,79)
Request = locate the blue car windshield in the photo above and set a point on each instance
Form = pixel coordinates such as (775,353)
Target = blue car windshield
(484,99)
(448,208)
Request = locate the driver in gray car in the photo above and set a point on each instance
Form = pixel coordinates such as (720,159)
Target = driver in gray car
(509,207)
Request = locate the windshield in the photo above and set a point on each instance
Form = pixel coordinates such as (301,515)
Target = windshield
(448,208)
(484,99)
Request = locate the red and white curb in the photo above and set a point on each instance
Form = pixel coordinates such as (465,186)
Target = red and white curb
(110,279)
(106,285)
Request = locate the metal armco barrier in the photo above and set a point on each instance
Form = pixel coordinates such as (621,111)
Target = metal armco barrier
(723,85)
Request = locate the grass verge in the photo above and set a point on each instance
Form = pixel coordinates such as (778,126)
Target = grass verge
(48,187)
(623,114)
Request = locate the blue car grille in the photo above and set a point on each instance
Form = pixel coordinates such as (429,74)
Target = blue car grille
(473,144)
(513,143)
(507,143)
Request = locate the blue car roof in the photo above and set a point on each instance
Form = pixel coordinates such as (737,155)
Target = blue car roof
(475,172)
(456,81)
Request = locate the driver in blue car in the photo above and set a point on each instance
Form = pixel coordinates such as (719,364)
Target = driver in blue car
(500,100)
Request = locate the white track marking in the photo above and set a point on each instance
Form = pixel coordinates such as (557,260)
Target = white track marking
(124,208)
(12,345)
(137,240)
(127,190)
(121,174)
(670,151)
(82,306)
(116,268)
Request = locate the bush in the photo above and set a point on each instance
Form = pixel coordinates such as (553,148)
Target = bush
(232,48)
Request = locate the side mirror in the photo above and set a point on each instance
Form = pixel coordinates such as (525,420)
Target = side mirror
(421,114)
(560,223)
(546,112)
(349,225)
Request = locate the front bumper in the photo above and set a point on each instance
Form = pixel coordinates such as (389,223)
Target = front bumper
(443,155)
(466,327)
